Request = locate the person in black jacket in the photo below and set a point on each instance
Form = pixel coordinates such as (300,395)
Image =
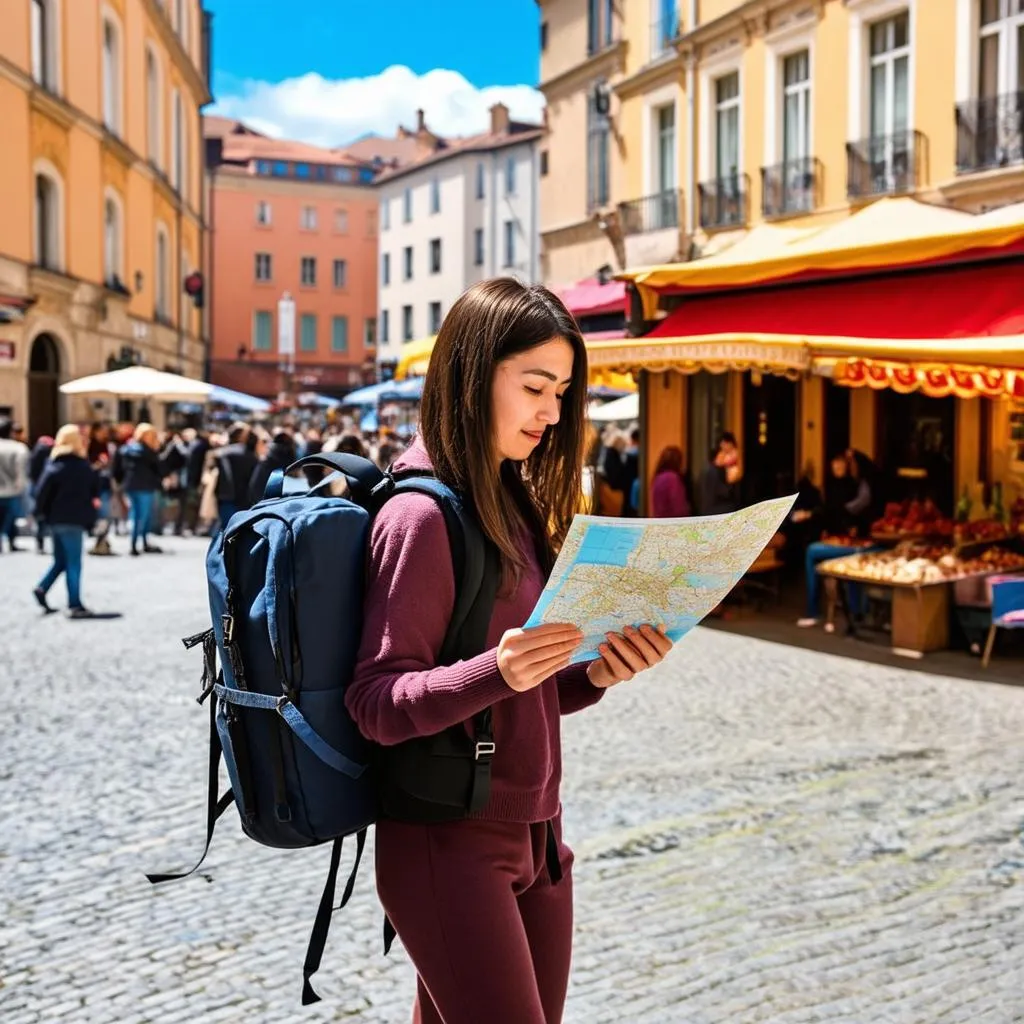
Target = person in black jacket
(37,463)
(67,498)
(140,469)
(194,447)
(280,455)
(235,464)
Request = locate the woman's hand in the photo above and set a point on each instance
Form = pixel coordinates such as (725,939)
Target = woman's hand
(628,653)
(526,657)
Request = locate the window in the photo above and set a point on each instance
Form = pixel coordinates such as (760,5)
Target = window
(665,168)
(261,331)
(890,76)
(510,176)
(341,222)
(407,323)
(48,214)
(341,273)
(263,213)
(339,334)
(600,27)
(163,273)
(385,215)
(308,271)
(543,163)
(153,119)
(302,170)
(44,25)
(307,218)
(371,223)
(435,196)
(385,334)
(597,156)
(385,269)
(112,244)
(510,243)
(176,141)
(111,77)
(481,174)
(435,255)
(478,247)
(1001,51)
(407,263)
(370,331)
(280,169)
(796,107)
(263,267)
(434,317)
(665,28)
(543,36)
(307,332)
(727,127)
(407,205)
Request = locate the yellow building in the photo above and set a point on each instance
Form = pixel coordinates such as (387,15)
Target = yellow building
(723,116)
(100,195)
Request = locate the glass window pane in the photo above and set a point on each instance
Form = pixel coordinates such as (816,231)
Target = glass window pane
(791,128)
(989,11)
(988,66)
(901,30)
(727,88)
(1020,58)
(901,106)
(879,34)
(878,100)
(795,68)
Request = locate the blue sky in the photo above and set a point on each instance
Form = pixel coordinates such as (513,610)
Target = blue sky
(328,71)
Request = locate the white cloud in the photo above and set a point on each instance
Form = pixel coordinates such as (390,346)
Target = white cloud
(330,113)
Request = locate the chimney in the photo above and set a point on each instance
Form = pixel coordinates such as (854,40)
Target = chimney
(499,119)
(421,124)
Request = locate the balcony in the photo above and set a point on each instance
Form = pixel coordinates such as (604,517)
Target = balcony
(652,213)
(794,186)
(990,133)
(886,165)
(723,201)
(663,34)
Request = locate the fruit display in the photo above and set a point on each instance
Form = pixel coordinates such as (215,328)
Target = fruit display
(835,540)
(979,530)
(912,519)
(917,564)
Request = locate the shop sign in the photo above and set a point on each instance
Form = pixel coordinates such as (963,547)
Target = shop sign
(6,351)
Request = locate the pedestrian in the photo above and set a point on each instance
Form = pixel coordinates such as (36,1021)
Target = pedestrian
(139,469)
(235,463)
(14,456)
(669,499)
(483,904)
(37,463)
(720,483)
(195,446)
(99,455)
(280,454)
(67,498)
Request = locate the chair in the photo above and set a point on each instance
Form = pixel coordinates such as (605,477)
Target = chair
(1007,609)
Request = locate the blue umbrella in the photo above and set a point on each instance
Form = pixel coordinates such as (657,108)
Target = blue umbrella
(368,421)
(410,390)
(367,396)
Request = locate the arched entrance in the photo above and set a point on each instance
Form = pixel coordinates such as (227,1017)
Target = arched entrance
(43,381)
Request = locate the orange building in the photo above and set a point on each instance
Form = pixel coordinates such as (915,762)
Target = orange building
(290,219)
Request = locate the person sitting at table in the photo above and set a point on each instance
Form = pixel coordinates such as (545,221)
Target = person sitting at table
(847,499)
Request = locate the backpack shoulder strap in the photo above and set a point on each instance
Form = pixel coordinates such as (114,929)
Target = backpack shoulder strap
(475,564)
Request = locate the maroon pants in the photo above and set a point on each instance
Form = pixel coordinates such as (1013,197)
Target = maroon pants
(489,932)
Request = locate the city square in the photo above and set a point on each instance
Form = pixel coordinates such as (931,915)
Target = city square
(761,834)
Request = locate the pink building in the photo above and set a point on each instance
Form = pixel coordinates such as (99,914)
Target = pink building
(286,217)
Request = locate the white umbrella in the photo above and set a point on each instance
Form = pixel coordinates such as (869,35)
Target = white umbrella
(627,408)
(140,382)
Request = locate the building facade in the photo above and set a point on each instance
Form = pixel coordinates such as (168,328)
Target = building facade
(101,186)
(462,211)
(680,134)
(289,220)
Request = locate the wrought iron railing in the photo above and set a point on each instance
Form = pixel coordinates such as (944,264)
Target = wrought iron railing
(723,201)
(794,186)
(886,164)
(651,213)
(990,132)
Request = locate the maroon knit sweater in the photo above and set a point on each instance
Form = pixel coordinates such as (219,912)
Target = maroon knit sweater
(398,690)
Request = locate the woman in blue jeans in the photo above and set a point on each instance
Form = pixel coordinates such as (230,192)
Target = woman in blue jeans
(67,497)
(140,469)
(846,506)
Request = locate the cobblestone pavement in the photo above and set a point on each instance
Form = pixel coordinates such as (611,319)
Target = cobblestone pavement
(762,834)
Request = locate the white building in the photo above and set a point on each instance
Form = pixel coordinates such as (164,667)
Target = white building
(465,211)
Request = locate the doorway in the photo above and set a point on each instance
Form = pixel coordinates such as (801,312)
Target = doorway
(43,383)
(769,436)
(706,414)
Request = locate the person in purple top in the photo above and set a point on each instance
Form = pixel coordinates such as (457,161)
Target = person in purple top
(668,489)
(478,902)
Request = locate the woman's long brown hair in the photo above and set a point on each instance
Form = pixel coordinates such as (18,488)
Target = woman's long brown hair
(489,323)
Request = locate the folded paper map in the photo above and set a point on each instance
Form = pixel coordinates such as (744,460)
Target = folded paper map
(613,573)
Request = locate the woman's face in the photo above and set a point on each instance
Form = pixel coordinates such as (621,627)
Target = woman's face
(527,397)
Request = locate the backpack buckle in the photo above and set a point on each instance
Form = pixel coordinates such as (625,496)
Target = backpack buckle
(228,624)
(484,749)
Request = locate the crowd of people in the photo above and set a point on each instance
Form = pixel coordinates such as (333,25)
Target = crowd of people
(134,481)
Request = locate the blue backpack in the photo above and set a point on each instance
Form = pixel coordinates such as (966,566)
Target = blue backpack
(286,582)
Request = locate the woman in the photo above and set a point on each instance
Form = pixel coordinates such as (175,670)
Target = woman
(140,471)
(67,498)
(668,490)
(477,901)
